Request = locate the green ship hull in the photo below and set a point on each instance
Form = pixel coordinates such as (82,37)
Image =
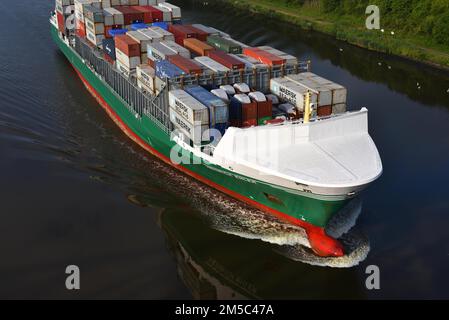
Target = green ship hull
(302,210)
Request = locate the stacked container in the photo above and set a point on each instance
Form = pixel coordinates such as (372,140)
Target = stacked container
(156,51)
(218,109)
(143,41)
(94,22)
(242,111)
(331,96)
(224,44)
(264,107)
(212,65)
(227,60)
(264,56)
(291,92)
(198,47)
(128,53)
(289,59)
(189,115)
(187,65)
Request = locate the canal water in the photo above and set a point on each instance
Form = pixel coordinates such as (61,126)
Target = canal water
(76,191)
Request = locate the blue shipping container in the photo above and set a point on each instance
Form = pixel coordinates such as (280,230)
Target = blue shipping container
(218,109)
(162,25)
(117,32)
(235,109)
(165,69)
(137,26)
(109,47)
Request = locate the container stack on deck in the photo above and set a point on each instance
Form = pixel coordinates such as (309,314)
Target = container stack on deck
(146,40)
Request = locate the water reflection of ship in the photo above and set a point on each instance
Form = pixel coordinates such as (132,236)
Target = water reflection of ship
(216,265)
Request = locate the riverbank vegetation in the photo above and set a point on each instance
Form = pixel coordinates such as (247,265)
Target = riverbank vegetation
(416,29)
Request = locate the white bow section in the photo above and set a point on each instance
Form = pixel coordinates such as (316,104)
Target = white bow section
(336,152)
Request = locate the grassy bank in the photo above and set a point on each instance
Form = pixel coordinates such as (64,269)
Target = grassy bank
(407,35)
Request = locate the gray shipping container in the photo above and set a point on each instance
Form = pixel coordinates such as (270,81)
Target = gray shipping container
(194,132)
(188,107)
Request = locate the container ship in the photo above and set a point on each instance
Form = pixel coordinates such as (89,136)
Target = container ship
(252,122)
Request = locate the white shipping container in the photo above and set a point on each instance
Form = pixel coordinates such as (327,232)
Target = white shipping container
(323,92)
(177,48)
(193,132)
(142,39)
(166,35)
(339,108)
(146,76)
(212,64)
(97,40)
(291,92)
(151,34)
(166,14)
(157,51)
(188,107)
(129,62)
(175,10)
(95,28)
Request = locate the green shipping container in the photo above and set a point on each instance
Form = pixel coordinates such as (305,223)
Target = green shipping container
(225,45)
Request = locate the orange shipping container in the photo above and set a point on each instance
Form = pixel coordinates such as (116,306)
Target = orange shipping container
(196,46)
(263,56)
(127,45)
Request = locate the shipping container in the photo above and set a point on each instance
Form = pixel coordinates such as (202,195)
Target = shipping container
(226,45)
(264,107)
(226,60)
(273,98)
(209,30)
(109,48)
(156,14)
(151,34)
(93,14)
(218,110)
(188,107)
(166,14)
(181,32)
(250,63)
(131,62)
(197,47)
(166,35)
(194,132)
(146,78)
(200,34)
(323,92)
(176,48)
(291,92)
(339,108)
(140,38)
(289,59)
(156,52)
(242,112)
(166,69)
(263,56)
(189,66)
(127,45)
(175,10)
(130,14)
(212,64)
(147,13)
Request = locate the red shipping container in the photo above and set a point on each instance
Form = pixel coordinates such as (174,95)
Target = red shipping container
(200,34)
(182,32)
(147,13)
(324,111)
(263,56)
(226,60)
(127,45)
(61,25)
(249,114)
(264,109)
(80,29)
(187,65)
(156,14)
(130,14)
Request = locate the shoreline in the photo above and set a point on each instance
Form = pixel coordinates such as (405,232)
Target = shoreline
(374,40)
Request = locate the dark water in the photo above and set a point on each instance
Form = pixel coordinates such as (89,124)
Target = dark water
(75,190)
